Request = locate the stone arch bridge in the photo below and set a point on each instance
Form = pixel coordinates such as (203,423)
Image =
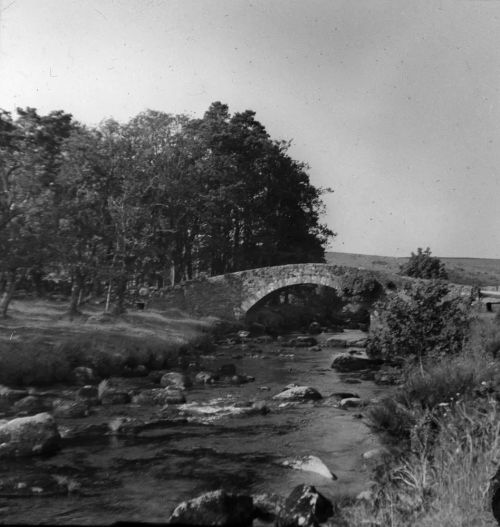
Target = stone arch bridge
(230,296)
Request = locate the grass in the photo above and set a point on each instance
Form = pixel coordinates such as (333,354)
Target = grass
(446,423)
(38,345)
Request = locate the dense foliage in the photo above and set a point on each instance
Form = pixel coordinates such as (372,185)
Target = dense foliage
(419,321)
(156,200)
(423,265)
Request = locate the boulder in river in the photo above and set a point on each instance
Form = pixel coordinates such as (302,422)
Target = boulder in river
(70,409)
(346,362)
(310,464)
(176,380)
(215,508)
(27,436)
(299,393)
(335,342)
(31,404)
(109,394)
(304,507)
(351,402)
(302,342)
(10,394)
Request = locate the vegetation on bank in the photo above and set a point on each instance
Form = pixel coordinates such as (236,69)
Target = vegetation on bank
(40,346)
(422,265)
(442,427)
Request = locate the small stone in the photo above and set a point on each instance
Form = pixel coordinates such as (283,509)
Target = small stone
(205,377)
(82,375)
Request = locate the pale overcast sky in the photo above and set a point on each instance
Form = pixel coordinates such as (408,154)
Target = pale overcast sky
(393,104)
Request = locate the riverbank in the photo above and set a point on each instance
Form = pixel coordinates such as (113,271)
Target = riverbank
(39,345)
(445,421)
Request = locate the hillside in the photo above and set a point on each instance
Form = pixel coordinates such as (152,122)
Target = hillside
(468,271)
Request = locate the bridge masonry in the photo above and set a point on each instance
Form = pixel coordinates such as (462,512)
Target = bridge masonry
(230,296)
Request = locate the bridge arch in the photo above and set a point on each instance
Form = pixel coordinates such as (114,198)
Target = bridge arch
(259,294)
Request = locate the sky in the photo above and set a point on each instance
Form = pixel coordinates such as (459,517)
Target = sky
(395,105)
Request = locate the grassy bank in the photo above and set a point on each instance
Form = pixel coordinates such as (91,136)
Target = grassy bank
(445,421)
(39,345)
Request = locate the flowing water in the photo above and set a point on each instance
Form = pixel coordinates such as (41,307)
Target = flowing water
(142,476)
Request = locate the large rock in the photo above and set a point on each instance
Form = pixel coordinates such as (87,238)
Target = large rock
(175,380)
(27,436)
(215,508)
(304,507)
(346,362)
(299,393)
(351,402)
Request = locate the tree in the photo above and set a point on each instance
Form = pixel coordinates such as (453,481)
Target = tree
(418,321)
(30,148)
(423,265)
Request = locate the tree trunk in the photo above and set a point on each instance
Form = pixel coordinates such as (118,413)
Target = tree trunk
(76,295)
(120,296)
(8,293)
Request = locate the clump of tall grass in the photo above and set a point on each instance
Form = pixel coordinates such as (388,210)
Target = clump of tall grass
(447,418)
(32,362)
(445,479)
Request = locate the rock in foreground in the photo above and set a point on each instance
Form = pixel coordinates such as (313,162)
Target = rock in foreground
(304,507)
(215,508)
(28,436)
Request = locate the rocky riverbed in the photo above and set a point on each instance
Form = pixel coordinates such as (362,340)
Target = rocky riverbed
(253,417)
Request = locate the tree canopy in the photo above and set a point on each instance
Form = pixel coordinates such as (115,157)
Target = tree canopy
(159,199)
(423,265)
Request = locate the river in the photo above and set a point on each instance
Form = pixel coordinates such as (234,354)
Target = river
(142,476)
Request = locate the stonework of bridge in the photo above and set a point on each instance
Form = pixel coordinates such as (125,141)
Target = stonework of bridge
(230,296)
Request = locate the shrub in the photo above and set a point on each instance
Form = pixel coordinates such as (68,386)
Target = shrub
(420,320)
(423,265)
